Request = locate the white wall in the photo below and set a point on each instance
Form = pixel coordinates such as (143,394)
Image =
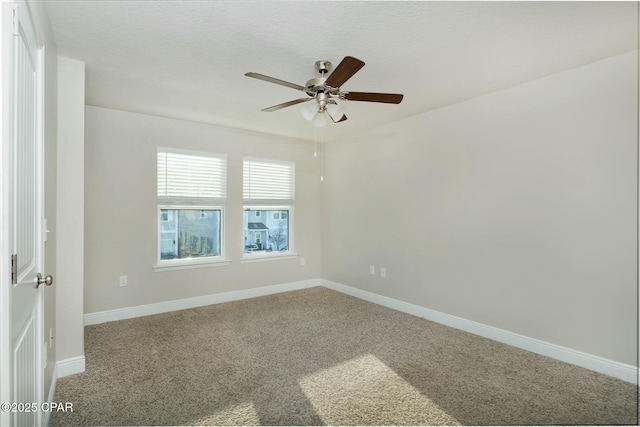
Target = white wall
(70,210)
(515,210)
(121,210)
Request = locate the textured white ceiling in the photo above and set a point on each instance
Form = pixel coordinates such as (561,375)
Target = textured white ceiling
(187,59)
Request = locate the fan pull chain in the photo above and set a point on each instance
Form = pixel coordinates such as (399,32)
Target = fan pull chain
(321,155)
(319,138)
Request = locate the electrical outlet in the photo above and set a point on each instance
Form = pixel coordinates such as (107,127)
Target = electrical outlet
(372,270)
(303,261)
(124,281)
(383,272)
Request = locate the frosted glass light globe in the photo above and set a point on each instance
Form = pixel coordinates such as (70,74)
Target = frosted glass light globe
(320,120)
(309,110)
(335,111)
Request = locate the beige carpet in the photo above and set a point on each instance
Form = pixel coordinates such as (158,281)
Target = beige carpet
(319,357)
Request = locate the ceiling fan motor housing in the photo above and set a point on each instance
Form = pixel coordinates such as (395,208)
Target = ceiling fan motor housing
(323,66)
(317,85)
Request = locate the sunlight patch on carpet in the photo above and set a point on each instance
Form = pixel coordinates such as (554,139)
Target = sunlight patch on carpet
(366,391)
(242,414)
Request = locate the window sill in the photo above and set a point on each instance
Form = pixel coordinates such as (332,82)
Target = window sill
(190,265)
(248,259)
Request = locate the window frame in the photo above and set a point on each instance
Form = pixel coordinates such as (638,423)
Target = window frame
(273,255)
(191,203)
(191,262)
(275,201)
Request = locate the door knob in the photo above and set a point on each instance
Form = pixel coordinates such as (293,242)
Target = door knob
(46,280)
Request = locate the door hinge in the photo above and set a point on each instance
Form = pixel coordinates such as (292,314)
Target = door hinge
(14,269)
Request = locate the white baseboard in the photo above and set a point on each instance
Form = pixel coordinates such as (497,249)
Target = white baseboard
(66,367)
(182,304)
(609,367)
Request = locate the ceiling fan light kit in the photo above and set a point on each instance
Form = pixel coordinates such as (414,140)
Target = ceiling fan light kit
(324,89)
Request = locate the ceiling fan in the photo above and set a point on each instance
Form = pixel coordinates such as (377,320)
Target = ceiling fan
(325,89)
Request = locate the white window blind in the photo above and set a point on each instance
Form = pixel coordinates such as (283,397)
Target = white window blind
(191,177)
(268,182)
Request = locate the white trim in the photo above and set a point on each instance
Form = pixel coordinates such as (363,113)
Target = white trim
(181,304)
(189,265)
(40,233)
(191,152)
(262,258)
(70,366)
(599,364)
(52,393)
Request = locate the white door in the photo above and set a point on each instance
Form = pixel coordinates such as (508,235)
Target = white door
(22,373)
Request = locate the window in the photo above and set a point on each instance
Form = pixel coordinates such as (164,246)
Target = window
(268,198)
(191,199)
(191,233)
(269,236)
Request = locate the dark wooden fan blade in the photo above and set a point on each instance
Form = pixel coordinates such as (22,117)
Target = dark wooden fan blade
(344,71)
(389,98)
(285,104)
(274,80)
